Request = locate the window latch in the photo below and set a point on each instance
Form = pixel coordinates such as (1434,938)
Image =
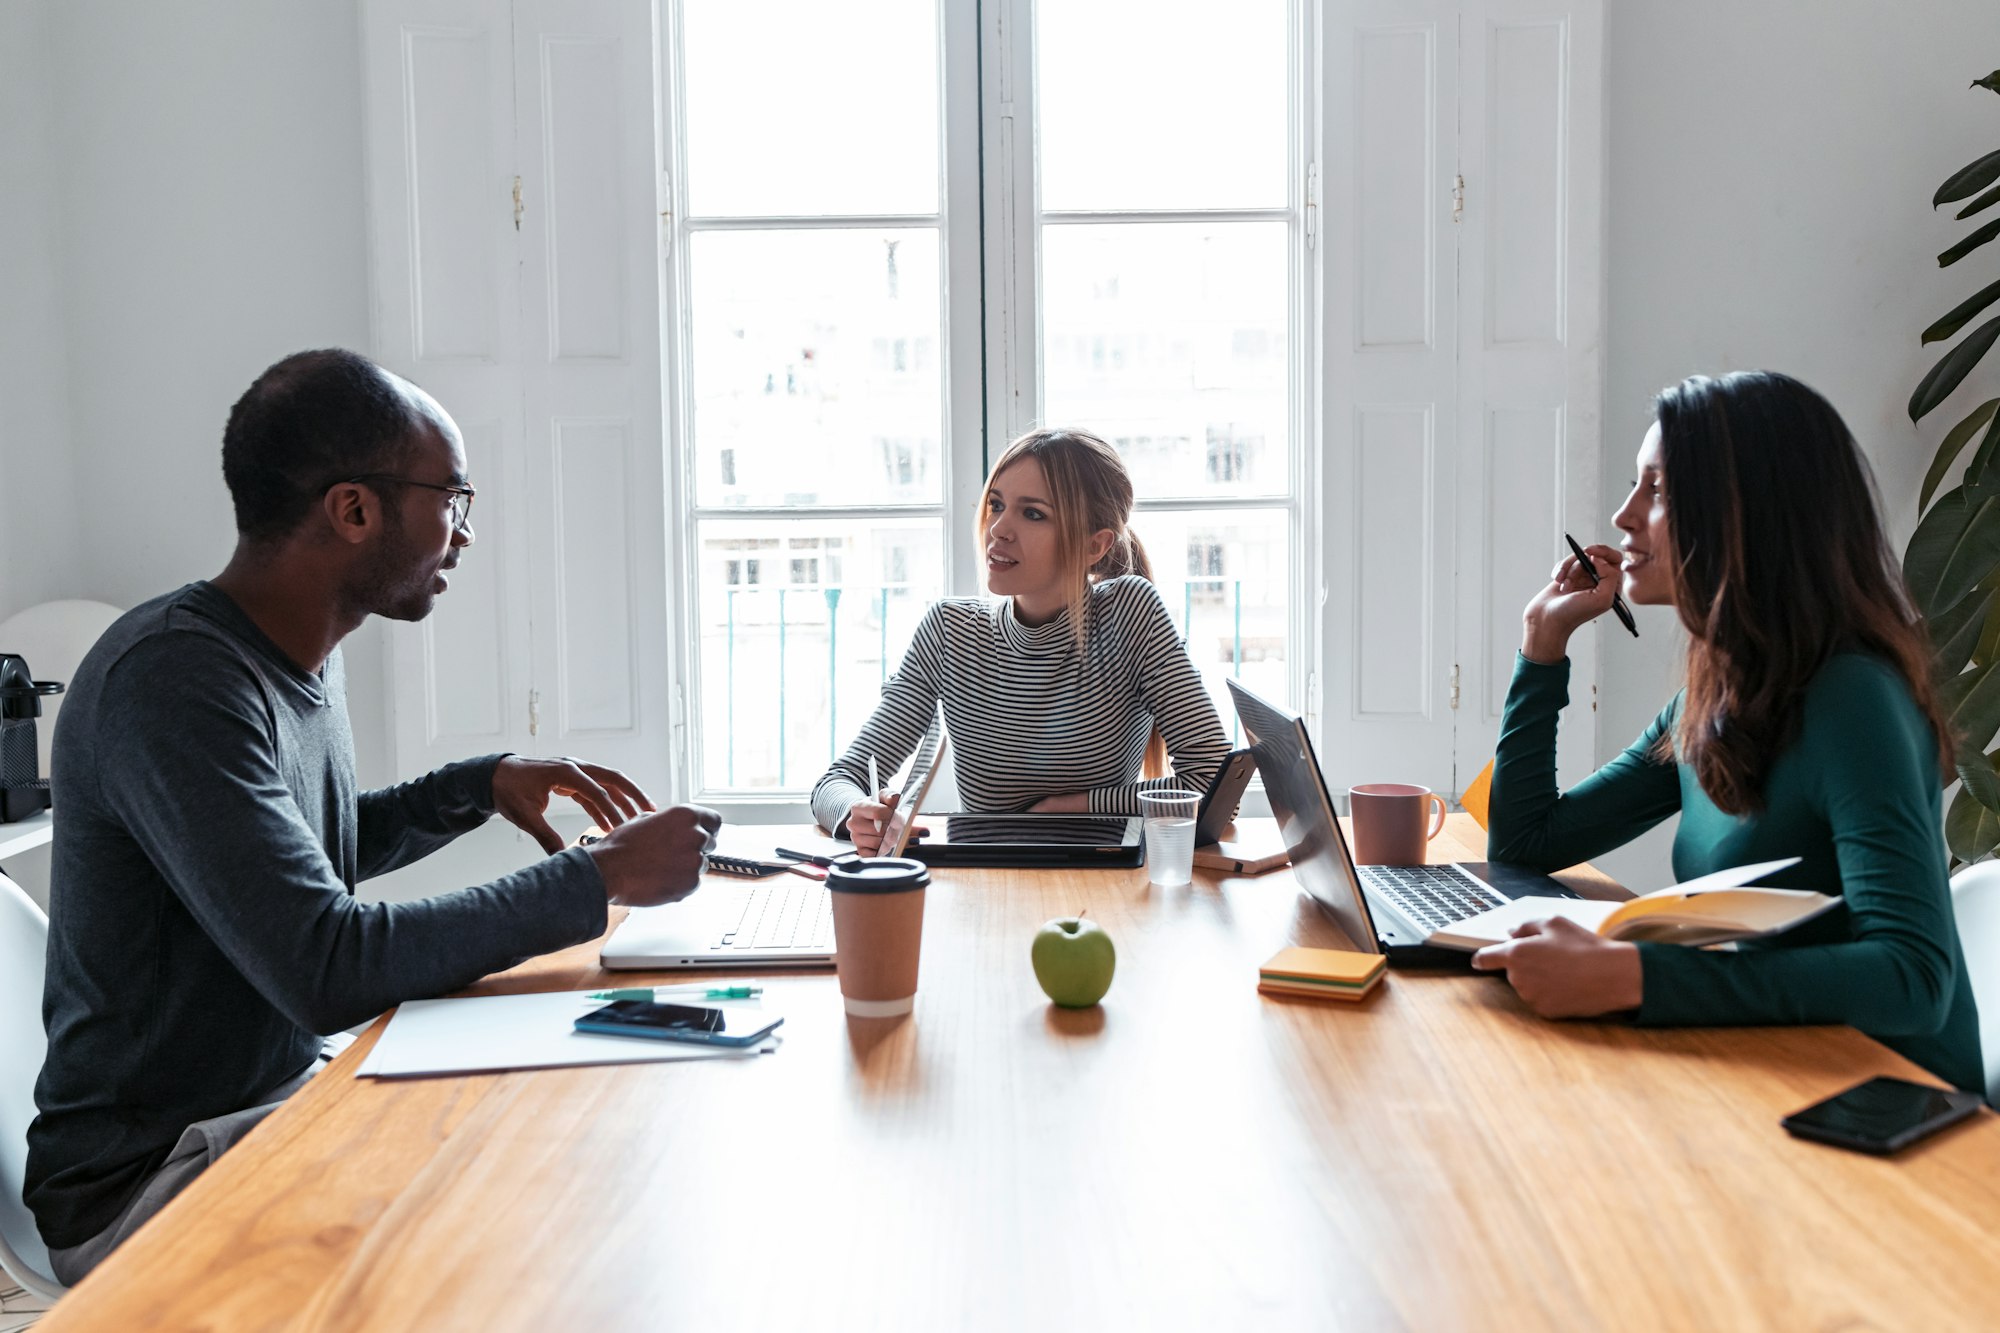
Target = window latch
(1312,204)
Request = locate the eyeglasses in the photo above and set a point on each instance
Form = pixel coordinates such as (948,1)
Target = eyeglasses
(461,496)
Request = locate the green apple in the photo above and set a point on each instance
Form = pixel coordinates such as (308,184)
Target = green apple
(1074,961)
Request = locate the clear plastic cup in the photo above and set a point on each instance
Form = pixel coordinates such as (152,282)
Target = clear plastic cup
(1169,817)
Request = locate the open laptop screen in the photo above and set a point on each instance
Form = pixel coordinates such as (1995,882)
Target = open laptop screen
(1306,817)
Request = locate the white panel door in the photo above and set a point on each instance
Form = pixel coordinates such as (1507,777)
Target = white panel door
(1529,347)
(1390,397)
(591,374)
(440,130)
(1462,384)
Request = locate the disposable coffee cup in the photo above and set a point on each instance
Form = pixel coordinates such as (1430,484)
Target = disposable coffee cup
(878,932)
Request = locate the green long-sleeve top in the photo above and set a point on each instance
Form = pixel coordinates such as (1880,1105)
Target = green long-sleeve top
(1855,795)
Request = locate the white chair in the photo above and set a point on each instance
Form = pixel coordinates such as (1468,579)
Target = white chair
(24,939)
(1975,901)
(53,637)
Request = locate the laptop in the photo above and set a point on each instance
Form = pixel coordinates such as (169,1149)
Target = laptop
(1383,909)
(785,921)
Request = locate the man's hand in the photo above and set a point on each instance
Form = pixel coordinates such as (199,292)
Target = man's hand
(1565,971)
(656,858)
(523,788)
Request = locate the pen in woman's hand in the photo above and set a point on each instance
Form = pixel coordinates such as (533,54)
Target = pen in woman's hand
(1618,607)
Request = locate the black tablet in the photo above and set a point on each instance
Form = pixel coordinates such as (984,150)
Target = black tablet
(1028,840)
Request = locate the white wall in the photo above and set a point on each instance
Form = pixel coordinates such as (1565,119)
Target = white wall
(38,545)
(1772,163)
(209,187)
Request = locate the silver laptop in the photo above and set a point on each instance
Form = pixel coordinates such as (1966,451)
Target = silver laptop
(1382,909)
(785,921)
(782,922)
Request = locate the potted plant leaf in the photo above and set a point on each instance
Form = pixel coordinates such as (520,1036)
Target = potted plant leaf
(1953,560)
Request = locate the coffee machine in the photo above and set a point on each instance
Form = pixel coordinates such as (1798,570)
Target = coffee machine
(23,790)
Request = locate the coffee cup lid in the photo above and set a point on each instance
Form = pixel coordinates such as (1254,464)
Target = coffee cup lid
(878,874)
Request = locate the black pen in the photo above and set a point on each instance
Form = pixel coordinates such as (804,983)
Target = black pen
(813,859)
(1618,607)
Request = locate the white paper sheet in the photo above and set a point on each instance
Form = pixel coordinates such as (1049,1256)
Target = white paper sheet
(490,1033)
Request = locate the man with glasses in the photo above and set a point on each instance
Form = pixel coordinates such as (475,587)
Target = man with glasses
(204,933)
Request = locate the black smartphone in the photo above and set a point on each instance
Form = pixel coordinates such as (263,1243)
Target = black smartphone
(1224,797)
(1883,1115)
(680,1022)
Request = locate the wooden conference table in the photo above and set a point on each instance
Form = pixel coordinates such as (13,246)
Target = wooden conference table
(1190,1154)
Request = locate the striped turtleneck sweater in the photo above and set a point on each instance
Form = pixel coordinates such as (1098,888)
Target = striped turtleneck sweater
(1030,717)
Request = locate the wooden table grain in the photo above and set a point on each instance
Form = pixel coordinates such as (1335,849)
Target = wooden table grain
(1188,1154)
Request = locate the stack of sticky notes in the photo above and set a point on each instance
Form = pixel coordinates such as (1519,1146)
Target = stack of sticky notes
(1333,973)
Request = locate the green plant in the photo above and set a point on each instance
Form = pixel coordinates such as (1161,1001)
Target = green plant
(1953,560)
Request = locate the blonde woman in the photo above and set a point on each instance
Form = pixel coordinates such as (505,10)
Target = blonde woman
(1058,695)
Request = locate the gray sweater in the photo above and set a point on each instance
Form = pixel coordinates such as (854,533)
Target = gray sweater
(203,930)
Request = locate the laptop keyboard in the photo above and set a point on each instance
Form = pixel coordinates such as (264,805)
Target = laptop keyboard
(797,915)
(1432,896)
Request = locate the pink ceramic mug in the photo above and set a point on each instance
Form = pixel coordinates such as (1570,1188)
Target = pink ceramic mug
(1390,820)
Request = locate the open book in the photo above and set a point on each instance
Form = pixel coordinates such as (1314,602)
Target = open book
(1712,909)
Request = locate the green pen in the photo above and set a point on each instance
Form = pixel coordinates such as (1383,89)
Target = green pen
(649,993)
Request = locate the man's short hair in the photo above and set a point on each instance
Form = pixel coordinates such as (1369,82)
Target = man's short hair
(313,419)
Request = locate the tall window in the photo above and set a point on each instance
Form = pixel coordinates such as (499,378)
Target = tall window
(1154,277)
(814,403)
(1172,260)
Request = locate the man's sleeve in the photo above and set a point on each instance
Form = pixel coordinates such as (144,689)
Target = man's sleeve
(407,822)
(197,781)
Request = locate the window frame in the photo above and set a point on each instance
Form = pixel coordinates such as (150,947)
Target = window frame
(1014,221)
(990,228)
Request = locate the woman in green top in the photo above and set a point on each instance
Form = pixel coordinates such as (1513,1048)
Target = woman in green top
(1808,727)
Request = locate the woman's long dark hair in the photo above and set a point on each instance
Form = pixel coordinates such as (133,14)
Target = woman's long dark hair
(1780,562)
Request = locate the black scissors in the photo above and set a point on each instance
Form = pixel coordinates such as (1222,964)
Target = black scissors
(1618,607)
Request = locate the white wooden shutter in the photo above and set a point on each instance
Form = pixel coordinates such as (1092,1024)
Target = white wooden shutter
(1463,203)
(1391,418)
(596,477)
(1530,384)
(516,275)
(440,116)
